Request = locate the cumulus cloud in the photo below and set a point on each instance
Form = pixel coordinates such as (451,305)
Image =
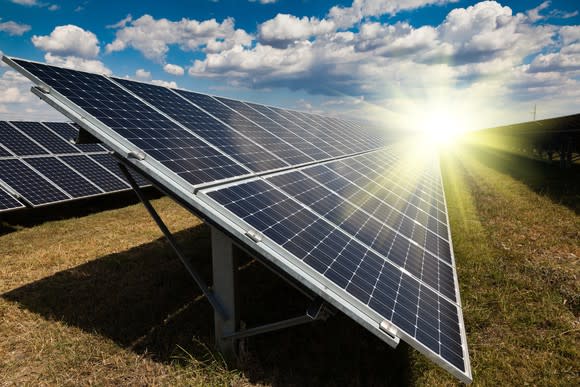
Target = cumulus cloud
(264,1)
(159,82)
(285,29)
(173,69)
(346,17)
(535,14)
(74,62)
(68,40)
(13,28)
(17,102)
(142,74)
(153,37)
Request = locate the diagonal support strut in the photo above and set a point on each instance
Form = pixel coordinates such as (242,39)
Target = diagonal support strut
(193,272)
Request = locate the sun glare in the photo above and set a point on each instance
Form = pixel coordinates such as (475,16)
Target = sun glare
(441,126)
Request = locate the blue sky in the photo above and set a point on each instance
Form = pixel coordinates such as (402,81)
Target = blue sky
(486,63)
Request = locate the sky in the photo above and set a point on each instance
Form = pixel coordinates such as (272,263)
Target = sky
(406,63)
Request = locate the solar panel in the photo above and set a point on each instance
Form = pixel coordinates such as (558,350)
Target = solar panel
(97,174)
(45,137)
(63,129)
(31,186)
(66,178)
(142,126)
(66,171)
(363,228)
(7,202)
(233,143)
(17,142)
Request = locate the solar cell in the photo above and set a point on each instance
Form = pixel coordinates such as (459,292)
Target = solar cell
(45,137)
(30,185)
(233,143)
(7,202)
(17,142)
(98,175)
(148,130)
(67,179)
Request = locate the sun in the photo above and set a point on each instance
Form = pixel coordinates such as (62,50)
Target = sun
(440,125)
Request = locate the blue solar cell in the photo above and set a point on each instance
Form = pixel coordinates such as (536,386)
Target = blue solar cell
(29,184)
(18,143)
(160,138)
(45,137)
(100,176)
(7,202)
(4,152)
(232,142)
(60,174)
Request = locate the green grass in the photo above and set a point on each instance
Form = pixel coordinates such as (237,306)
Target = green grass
(100,299)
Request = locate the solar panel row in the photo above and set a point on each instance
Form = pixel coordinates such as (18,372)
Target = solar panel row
(41,165)
(328,196)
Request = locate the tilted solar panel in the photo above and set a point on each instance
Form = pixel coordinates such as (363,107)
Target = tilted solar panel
(30,185)
(61,164)
(96,172)
(18,143)
(45,137)
(7,202)
(66,178)
(361,228)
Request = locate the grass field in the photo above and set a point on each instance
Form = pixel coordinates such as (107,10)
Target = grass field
(99,298)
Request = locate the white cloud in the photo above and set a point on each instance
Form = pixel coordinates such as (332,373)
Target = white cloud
(74,62)
(28,3)
(534,14)
(13,91)
(68,40)
(285,29)
(173,69)
(53,7)
(14,29)
(18,103)
(264,1)
(142,74)
(159,82)
(345,17)
(153,37)
(122,23)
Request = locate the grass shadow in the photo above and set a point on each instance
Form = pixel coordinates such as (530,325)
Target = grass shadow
(562,186)
(143,300)
(30,217)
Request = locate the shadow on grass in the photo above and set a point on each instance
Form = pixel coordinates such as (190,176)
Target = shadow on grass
(560,185)
(30,217)
(143,299)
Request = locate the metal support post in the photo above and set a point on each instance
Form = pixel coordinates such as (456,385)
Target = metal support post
(224,286)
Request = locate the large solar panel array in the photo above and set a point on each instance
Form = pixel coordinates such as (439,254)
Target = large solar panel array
(40,165)
(327,200)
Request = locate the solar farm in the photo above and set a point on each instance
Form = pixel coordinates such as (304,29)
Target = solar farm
(229,242)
